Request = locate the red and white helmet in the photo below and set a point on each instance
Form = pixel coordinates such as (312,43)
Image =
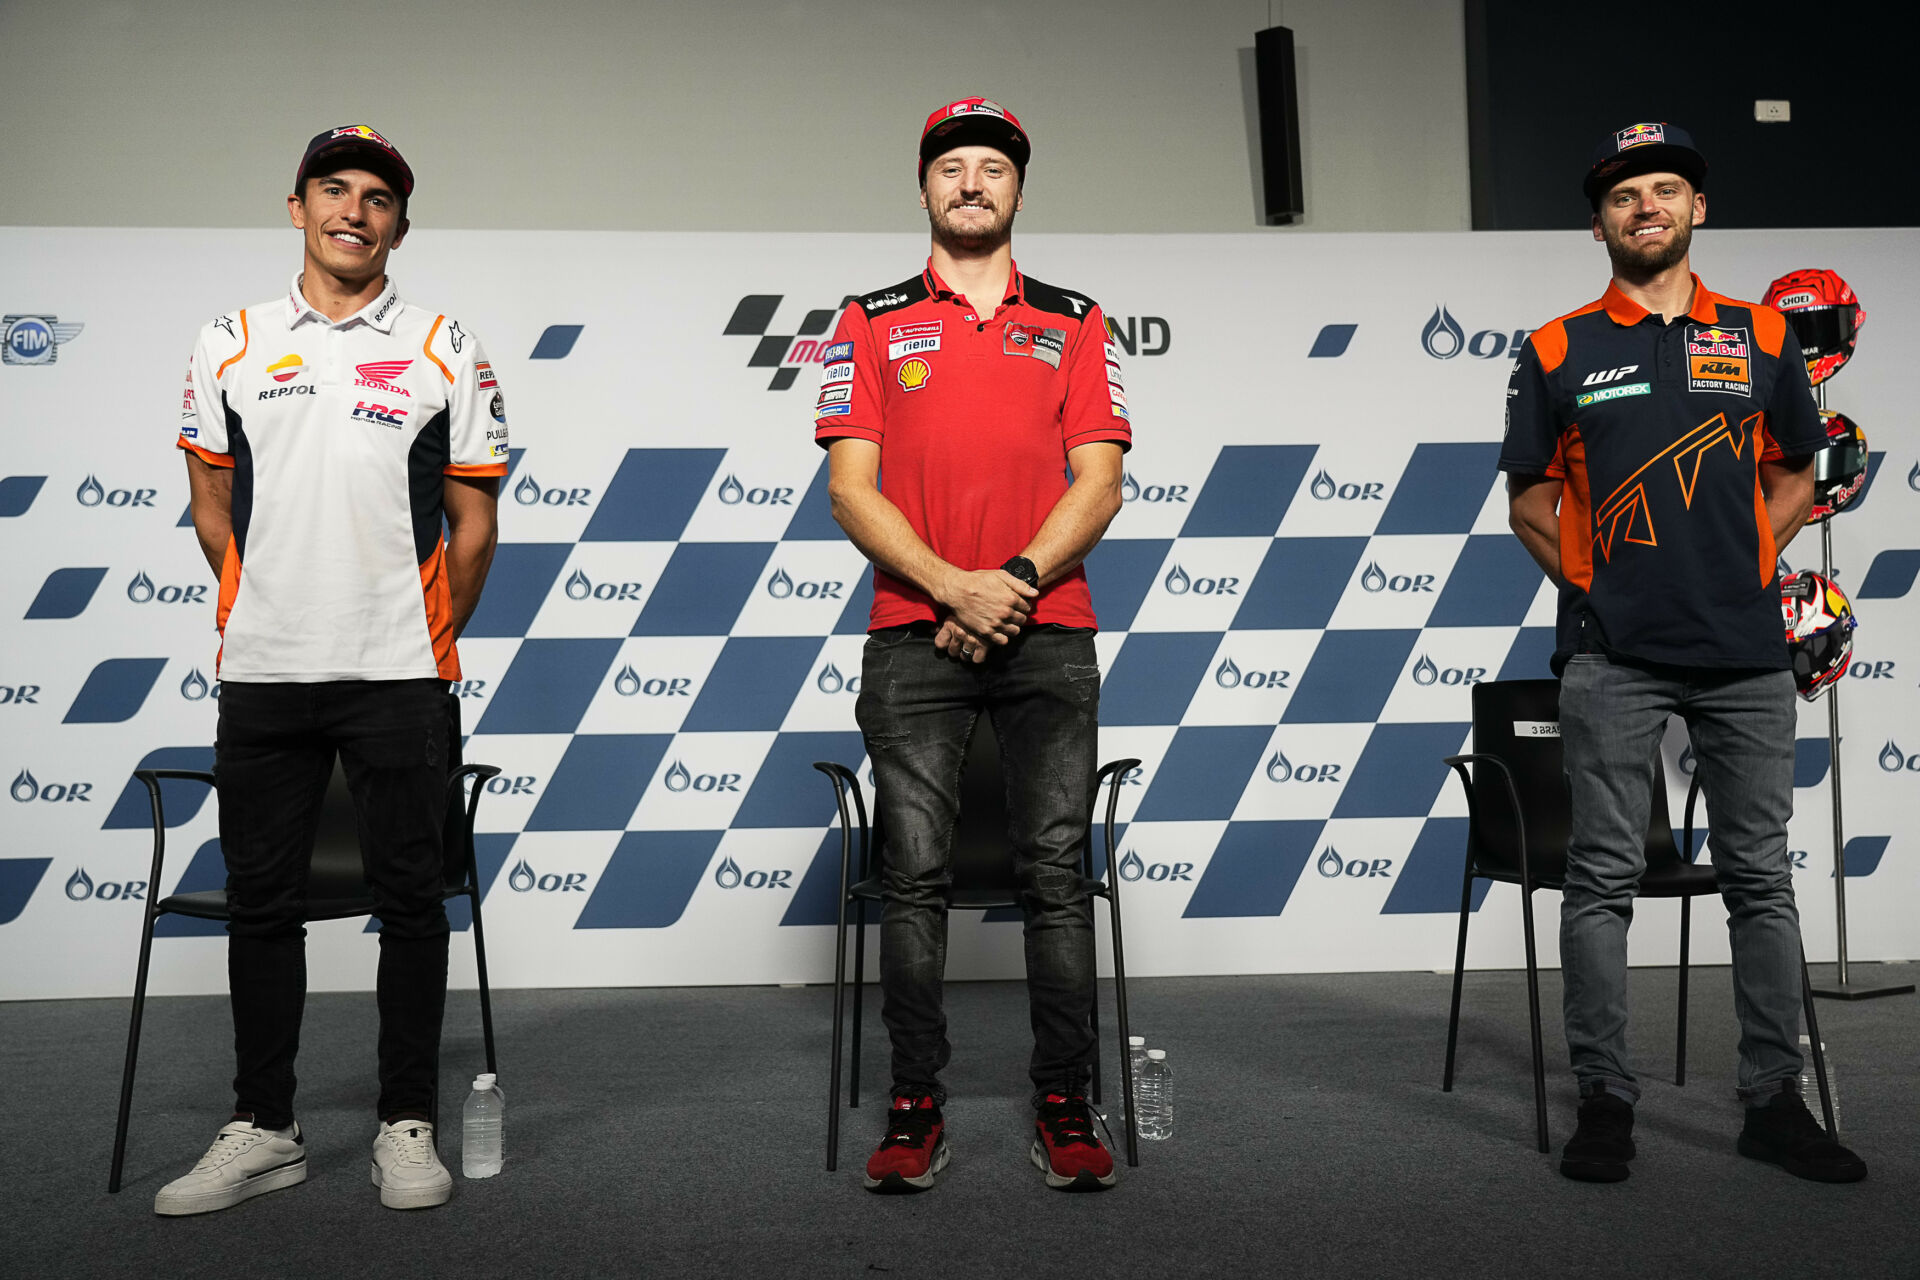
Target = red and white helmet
(1840,469)
(1820,625)
(1824,315)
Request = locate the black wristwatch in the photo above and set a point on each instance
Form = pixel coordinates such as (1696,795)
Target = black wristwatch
(1022,568)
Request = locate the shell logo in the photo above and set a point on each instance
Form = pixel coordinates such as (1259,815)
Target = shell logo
(914,374)
(286,368)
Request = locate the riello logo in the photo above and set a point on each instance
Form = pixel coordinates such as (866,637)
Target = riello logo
(1443,338)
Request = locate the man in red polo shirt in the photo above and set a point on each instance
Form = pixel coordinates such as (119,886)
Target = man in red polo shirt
(975,390)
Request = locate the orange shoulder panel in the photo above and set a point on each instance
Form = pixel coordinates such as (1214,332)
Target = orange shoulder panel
(245,338)
(427,347)
(1769,328)
(1550,344)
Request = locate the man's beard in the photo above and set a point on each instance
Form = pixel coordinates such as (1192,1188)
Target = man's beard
(1628,255)
(971,239)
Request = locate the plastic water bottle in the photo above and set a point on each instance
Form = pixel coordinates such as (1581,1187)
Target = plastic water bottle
(1810,1081)
(1137,1063)
(1156,1097)
(480,1129)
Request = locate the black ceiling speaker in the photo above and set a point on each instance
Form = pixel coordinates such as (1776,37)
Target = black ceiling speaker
(1279,125)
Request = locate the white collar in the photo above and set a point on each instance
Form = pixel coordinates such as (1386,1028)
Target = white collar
(380,314)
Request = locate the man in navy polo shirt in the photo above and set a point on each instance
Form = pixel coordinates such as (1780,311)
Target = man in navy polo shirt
(974,390)
(1659,451)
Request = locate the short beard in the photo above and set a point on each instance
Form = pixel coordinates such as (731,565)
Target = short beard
(967,240)
(1628,257)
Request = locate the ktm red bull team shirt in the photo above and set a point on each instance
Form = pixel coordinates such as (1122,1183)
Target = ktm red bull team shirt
(338,435)
(974,415)
(1658,431)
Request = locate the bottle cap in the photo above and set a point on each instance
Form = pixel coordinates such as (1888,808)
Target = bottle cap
(1136,1042)
(1156,1055)
(482,1083)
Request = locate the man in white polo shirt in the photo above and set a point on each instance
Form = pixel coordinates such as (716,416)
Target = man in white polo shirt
(328,434)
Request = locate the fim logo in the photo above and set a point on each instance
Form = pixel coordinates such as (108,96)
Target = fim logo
(1376,580)
(1132,868)
(629,683)
(678,779)
(581,587)
(830,680)
(728,875)
(785,354)
(733,493)
(528,493)
(1332,866)
(1178,583)
(1229,676)
(1325,488)
(1893,760)
(1426,673)
(1443,338)
(1281,769)
(142,591)
(1132,490)
(196,689)
(26,789)
(523,879)
(34,339)
(92,493)
(781,587)
(81,888)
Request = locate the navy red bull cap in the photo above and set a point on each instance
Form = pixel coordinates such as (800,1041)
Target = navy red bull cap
(975,122)
(1643,148)
(364,145)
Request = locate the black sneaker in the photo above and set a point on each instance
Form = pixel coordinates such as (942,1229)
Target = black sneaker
(1785,1133)
(1602,1145)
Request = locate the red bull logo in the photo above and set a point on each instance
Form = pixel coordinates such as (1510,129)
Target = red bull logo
(1640,134)
(361,131)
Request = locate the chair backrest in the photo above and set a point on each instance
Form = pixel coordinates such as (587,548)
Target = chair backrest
(1518,721)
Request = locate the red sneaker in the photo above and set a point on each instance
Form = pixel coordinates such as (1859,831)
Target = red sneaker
(1068,1149)
(913,1150)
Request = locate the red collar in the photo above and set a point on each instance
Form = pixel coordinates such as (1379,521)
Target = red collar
(938,288)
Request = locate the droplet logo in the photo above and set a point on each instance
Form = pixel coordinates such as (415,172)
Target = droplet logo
(1279,768)
(627,683)
(1131,868)
(1323,488)
(79,885)
(1130,488)
(830,680)
(194,687)
(521,879)
(727,874)
(1227,674)
(1913,478)
(731,491)
(1373,579)
(1330,864)
(25,787)
(779,586)
(678,779)
(578,587)
(1892,759)
(1685,762)
(1443,337)
(527,492)
(1177,582)
(90,494)
(1424,672)
(140,590)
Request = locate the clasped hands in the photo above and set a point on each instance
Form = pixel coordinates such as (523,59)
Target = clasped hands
(984,607)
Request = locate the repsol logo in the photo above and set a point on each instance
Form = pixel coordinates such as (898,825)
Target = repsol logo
(1893,760)
(830,680)
(81,888)
(26,789)
(581,587)
(19,695)
(1132,868)
(1140,335)
(528,493)
(728,875)
(92,493)
(524,879)
(1375,579)
(630,683)
(1132,490)
(142,591)
(1179,582)
(1325,488)
(196,688)
(733,493)
(1443,338)
(501,784)
(781,586)
(1229,676)
(1334,867)
(680,778)
(1426,673)
(1281,769)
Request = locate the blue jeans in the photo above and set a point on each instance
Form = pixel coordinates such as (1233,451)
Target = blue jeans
(918,710)
(1741,723)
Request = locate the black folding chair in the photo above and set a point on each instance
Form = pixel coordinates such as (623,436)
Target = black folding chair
(336,887)
(1519,818)
(982,880)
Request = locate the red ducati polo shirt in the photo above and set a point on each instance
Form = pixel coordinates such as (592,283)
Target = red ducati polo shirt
(974,416)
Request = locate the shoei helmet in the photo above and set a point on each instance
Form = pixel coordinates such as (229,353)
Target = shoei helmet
(1824,315)
(1820,626)
(1840,469)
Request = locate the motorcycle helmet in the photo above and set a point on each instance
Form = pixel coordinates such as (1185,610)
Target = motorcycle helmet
(1840,469)
(1820,625)
(1824,315)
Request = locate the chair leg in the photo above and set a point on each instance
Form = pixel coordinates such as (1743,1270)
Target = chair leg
(480,963)
(133,1052)
(839,1026)
(1680,1042)
(859,998)
(1120,1016)
(1819,1050)
(1533,1016)
(1459,973)
(1093,1024)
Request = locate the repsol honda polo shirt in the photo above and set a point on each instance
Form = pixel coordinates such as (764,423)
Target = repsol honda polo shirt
(974,415)
(339,436)
(1658,431)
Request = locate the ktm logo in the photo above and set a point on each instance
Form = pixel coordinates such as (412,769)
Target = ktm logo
(1721,368)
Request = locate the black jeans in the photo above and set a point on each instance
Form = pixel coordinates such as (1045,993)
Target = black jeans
(272,760)
(918,710)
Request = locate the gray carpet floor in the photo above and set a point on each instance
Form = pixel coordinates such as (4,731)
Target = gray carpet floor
(681,1132)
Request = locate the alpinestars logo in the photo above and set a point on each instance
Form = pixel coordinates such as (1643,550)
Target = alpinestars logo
(785,354)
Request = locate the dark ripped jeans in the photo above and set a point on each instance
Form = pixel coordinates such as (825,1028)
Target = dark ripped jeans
(918,710)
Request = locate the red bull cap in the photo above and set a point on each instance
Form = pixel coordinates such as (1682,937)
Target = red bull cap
(1643,148)
(364,145)
(975,122)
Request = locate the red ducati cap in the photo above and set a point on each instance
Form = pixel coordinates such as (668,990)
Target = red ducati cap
(975,122)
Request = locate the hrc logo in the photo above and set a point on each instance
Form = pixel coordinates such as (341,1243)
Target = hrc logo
(379,414)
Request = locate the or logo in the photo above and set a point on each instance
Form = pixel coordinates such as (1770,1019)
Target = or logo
(1229,676)
(26,789)
(1894,760)
(1374,579)
(830,680)
(1133,867)
(1443,338)
(679,778)
(524,879)
(630,683)
(733,493)
(1132,490)
(1332,866)
(1281,769)
(1913,478)
(913,375)
(19,695)
(1426,672)
(1325,488)
(580,587)
(379,415)
(195,687)
(81,888)
(141,590)
(1586,398)
(380,375)
(1178,582)
(34,339)
(781,586)
(287,368)
(92,493)
(728,875)
(528,493)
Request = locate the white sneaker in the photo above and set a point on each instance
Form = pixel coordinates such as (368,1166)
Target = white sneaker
(242,1162)
(407,1169)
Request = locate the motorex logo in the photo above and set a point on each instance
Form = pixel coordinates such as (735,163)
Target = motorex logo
(1443,338)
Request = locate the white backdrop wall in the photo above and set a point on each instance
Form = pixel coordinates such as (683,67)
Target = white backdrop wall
(1311,568)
